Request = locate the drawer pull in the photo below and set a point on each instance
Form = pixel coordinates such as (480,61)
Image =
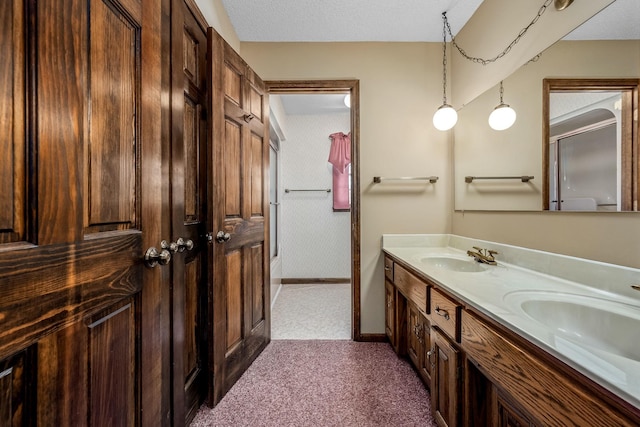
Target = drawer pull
(443,313)
(387,268)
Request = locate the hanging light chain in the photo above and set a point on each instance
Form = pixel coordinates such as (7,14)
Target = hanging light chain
(444,59)
(501,92)
(522,32)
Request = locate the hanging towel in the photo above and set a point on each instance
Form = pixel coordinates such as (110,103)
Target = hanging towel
(340,152)
(340,158)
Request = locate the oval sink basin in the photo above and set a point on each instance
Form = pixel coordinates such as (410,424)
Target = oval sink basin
(453,264)
(606,325)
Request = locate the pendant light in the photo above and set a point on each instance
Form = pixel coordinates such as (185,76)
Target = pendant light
(445,116)
(503,116)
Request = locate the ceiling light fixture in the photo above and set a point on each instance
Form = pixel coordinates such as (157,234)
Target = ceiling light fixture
(445,116)
(347,100)
(503,116)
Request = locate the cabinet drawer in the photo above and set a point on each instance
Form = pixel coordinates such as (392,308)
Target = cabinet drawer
(445,313)
(411,287)
(388,268)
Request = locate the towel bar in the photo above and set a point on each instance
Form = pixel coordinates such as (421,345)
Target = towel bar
(431,179)
(326,190)
(523,178)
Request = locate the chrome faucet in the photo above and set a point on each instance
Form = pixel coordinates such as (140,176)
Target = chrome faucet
(484,256)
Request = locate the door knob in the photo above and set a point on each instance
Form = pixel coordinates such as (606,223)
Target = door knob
(152,257)
(178,246)
(222,237)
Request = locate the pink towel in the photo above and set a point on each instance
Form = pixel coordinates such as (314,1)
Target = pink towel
(340,152)
(340,158)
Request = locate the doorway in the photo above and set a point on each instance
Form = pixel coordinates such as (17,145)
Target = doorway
(307,196)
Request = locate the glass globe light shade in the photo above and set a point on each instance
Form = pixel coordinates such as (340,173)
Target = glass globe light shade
(502,117)
(347,100)
(445,117)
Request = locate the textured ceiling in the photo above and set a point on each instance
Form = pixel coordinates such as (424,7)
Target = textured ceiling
(618,21)
(392,20)
(346,20)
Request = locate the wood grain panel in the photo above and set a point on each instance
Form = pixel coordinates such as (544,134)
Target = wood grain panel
(255,165)
(191,169)
(13,398)
(63,385)
(257,285)
(545,393)
(445,313)
(411,287)
(233,84)
(60,125)
(112,368)
(113,129)
(190,55)
(234,287)
(191,320)
(232,169)
(255,103)
(12,167)
(68,280)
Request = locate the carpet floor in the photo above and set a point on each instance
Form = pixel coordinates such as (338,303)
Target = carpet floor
(323,383)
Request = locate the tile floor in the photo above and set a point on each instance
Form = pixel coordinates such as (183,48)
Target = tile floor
(312,312)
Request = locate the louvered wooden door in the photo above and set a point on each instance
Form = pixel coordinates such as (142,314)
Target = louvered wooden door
(240,212)
(80,200)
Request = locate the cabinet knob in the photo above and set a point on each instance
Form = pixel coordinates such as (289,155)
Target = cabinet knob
(443,313)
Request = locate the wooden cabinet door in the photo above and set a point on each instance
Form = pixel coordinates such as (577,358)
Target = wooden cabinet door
(415,333)
(427,360)
(240,214)
(390,313)
(445,380)
(80,201)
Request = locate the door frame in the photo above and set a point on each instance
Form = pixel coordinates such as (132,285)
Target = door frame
(280,87)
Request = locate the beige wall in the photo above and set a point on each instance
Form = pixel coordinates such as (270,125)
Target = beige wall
(399,91)
(217,17)
(607,237)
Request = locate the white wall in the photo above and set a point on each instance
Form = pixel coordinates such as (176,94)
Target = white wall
(316,242)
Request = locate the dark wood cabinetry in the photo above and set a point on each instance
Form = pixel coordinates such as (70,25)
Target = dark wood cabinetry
(445,380)
(480,373)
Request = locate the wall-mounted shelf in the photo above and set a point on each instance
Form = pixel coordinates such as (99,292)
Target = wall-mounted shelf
(325,190)
(523,178)
(431,179)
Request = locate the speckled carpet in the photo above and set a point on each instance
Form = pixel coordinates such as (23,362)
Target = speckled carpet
(323,383)
(312,312)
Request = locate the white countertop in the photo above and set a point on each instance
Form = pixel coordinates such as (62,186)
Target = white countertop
(500,290)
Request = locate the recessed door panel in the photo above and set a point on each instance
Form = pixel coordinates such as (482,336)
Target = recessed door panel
(113,118)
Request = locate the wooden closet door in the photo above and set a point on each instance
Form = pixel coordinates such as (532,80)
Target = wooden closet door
(189,161)
(240,214)
(80,135)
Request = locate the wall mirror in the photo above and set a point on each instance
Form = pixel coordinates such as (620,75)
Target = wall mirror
(605,47)
(590,155)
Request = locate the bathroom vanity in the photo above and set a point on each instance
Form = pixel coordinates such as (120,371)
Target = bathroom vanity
(538,339)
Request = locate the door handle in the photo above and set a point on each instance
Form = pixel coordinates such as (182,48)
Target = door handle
(222,237)
(152,257)
(178,246)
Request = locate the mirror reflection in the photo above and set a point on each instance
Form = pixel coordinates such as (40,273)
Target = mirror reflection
(611,52)
(589,129)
